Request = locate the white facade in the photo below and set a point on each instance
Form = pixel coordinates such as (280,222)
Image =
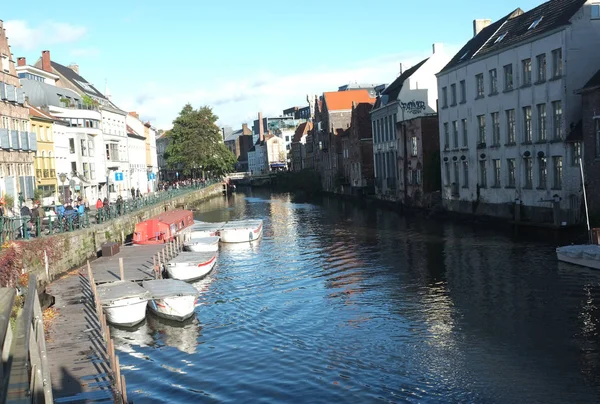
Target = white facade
(114,135)
(78,148)
(506,145)
(417,97)
(257,159)
(136,154)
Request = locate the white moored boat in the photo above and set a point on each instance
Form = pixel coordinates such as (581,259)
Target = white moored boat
(171,298)
(241,231)
(205,229)
(190,266)
(123,302)
(202,244)
(587,255)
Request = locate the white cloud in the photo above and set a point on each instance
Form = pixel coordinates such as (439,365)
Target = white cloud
(239,101)
(25,37)
(85,52)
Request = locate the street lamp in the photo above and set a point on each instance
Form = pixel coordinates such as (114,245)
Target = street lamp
(63,179)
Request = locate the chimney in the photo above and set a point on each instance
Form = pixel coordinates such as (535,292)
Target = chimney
(134,114)
(46,65)
(21,61)
(479,25)
(74,67)
(437,47)
(245,129)
(261,128)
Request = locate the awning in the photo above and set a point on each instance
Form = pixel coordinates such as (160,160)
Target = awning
(278,165)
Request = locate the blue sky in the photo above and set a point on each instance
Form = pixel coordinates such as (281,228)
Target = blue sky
(239,57)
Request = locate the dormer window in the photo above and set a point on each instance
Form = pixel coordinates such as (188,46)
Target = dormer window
(535,23)
(596,11)
(500,38)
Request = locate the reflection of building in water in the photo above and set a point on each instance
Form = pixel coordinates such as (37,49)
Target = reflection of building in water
(183,336)
(343,268)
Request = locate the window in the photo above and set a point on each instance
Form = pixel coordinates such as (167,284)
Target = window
(91,148)
(497,172)
(556,63)
(414,146)
(481,126)
(575,153)
(500,38)
(463,91)
(511,170)
(83,147)
(455,133)
(5,63)
(495,128)
(510,127)
(86,170)
(541,67)
(465,133)
(541,113)
(526,66)
(453,94)
(92,171)
(535,23)
(479,85)
(447,174)
(456,174)
(418,179)
(595,11)
(597,127)
(73,168)
(493,82)
(446,136)
(465,165)
(508,77)
(527,131)
(543,173)
(482,174)
(557,119)
(558,169)
(72,146)
(528,173)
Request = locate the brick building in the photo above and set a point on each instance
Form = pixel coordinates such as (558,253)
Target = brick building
(360,153)
(420,151)
(590,97)
(17,144)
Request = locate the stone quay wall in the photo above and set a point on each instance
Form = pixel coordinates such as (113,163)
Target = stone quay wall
(52,256)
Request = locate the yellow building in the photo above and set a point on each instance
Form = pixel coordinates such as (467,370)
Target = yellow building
(45,158)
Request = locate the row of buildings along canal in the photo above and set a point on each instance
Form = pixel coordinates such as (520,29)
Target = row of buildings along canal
(497,129)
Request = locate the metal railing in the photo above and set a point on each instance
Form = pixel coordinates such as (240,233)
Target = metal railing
(26,227)
(25,375)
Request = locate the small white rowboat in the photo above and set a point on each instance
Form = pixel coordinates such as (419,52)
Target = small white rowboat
(204,229)
(202,244)
(587,255)
(123,302)
(171,298)
(241,231)
(190,266)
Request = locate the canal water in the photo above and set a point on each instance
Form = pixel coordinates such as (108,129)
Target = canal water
(343,304)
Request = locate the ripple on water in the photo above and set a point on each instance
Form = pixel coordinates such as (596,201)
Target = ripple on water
(338,304)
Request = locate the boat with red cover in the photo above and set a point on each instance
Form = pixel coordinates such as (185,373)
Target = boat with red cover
(164,227)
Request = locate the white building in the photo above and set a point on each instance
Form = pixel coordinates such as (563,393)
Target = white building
(413,94)
(507,106)
(136,153)
(77,139)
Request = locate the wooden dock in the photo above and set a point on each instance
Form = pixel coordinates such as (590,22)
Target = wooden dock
(80,362)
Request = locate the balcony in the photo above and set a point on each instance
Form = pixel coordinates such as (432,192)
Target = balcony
(4,139)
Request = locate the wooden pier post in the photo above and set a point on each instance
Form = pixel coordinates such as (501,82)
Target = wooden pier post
(121,269)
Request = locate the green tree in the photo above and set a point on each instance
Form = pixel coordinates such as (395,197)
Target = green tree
(195,142)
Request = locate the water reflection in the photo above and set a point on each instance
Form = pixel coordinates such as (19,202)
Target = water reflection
(343,303)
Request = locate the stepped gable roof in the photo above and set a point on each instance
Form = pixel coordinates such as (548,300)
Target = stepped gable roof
(516,27)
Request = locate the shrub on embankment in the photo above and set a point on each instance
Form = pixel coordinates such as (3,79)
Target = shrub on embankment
(65,251)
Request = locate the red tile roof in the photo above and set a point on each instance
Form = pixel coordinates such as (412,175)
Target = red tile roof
(342,100)
(38,113)
(302,130)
